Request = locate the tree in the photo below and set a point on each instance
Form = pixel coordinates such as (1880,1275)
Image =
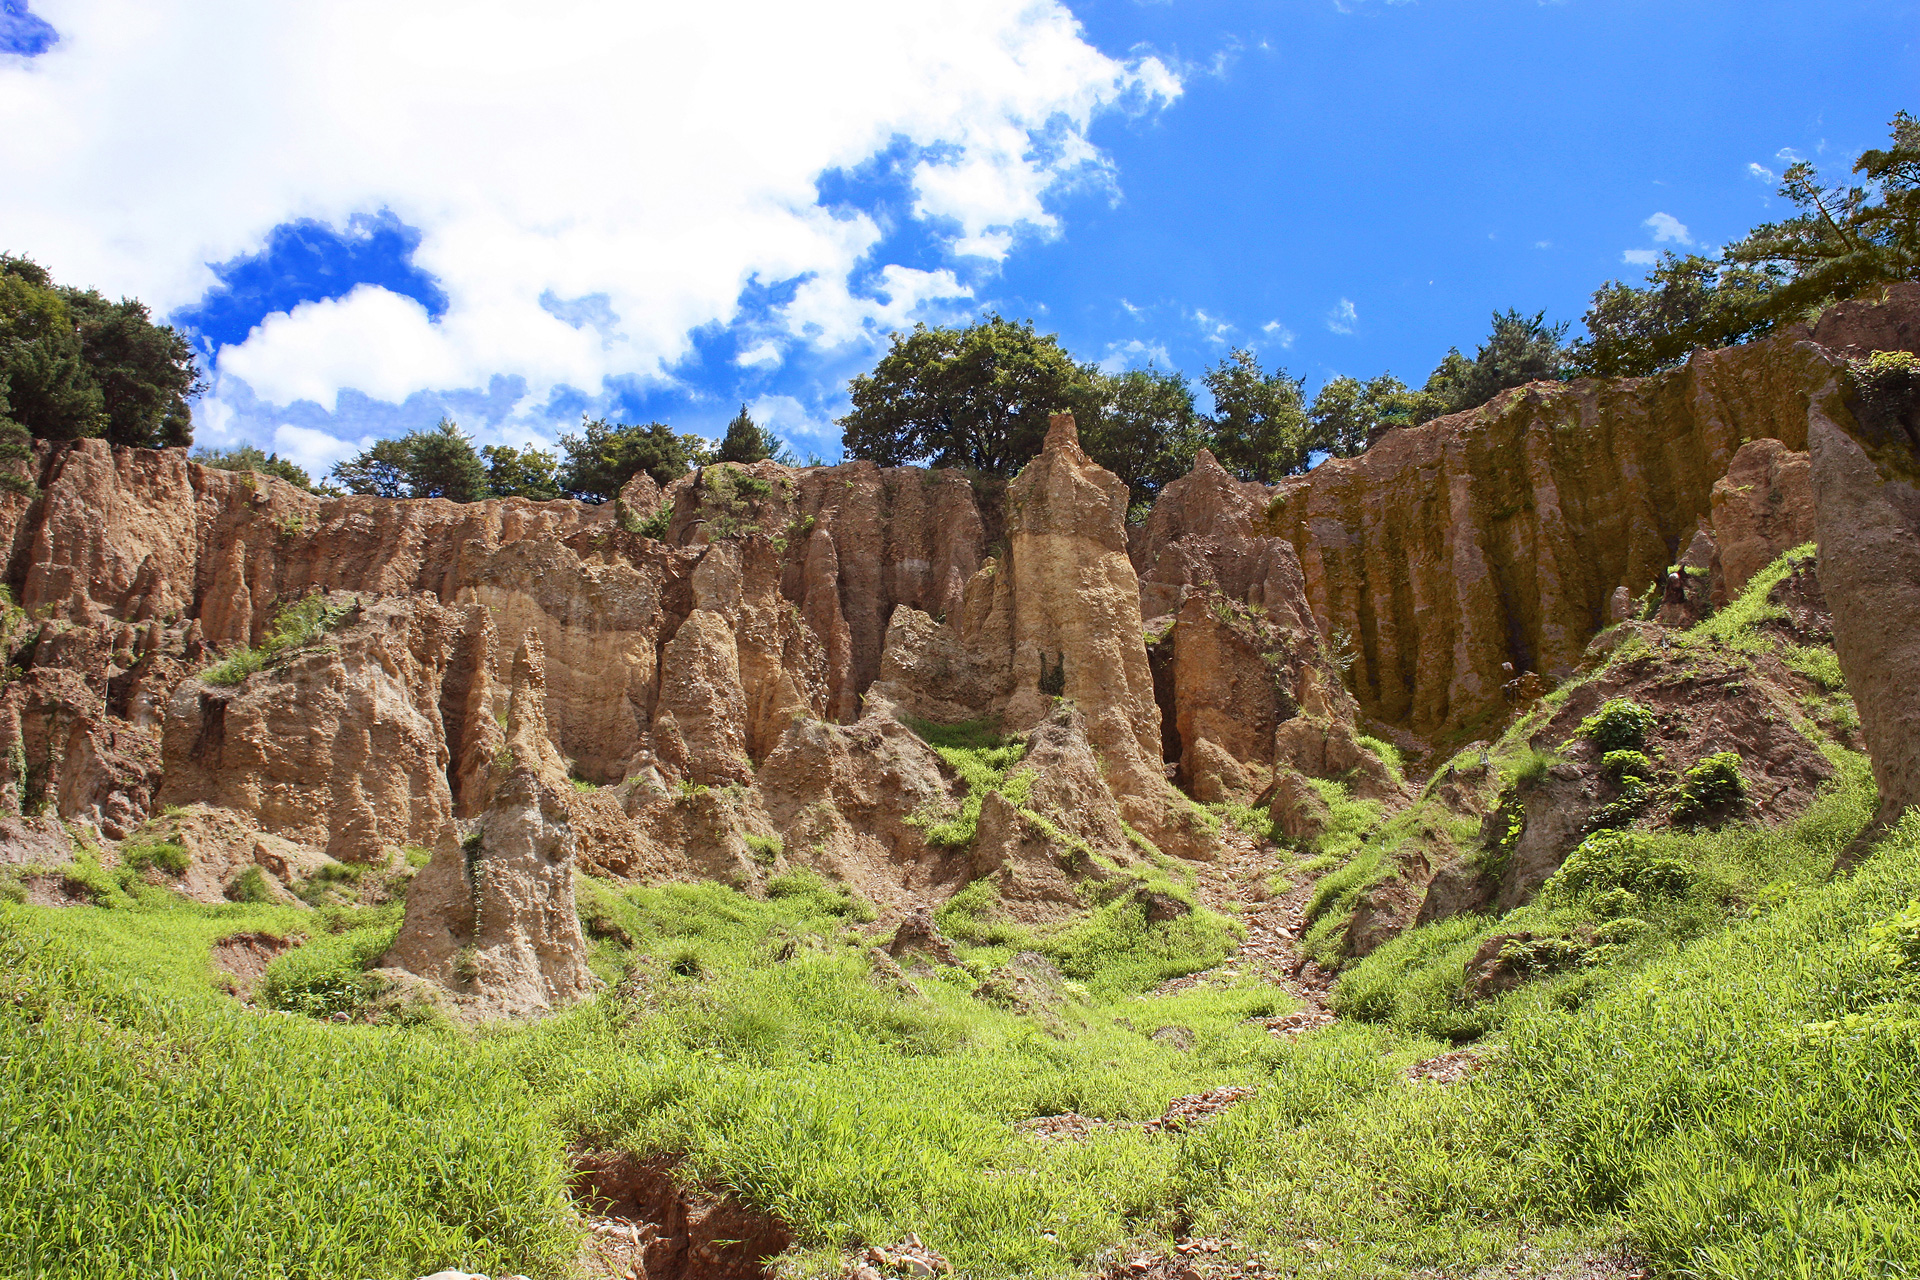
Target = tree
(1846,239)
(145,371)
(1141,425)
(444,464)
(437,463)
(247,458)
(380,472)
(521,473)
(48,388)
(1687,304)
(605,455)
(1259,429)
(977,397)
(79,366)
(1521,349)
(748,441)
(1348,415)
(16,446)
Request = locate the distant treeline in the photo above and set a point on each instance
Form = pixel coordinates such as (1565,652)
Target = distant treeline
(978,397)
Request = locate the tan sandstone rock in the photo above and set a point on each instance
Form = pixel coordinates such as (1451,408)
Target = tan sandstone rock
(491,919)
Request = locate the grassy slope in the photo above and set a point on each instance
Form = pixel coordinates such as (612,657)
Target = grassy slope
(1732,1092)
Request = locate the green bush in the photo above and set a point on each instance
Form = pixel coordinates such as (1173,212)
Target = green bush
(1622,765)
(329,974)
(1618,860)
(166,855)
(1711,786)
(1619,725)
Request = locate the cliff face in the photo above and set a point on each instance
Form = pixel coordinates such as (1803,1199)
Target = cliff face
(1500,536)
(727,696)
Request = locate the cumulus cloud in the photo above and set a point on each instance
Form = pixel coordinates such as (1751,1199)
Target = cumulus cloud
(1343,317)
(1760,171)
(1667,229)
(1278,334)
(592,183)
(1134,353)
(1639,257)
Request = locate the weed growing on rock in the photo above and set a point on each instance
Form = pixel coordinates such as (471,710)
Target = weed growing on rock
(295,627)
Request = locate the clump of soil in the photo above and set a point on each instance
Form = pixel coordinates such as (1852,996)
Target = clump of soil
(648,1225)
(242,959)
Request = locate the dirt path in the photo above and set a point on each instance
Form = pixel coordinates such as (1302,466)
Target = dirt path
(1236,883)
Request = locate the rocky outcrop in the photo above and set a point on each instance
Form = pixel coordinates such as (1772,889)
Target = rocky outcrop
(1499,536)
(1866,481)
(1762,507)
(341,746)
(491,918)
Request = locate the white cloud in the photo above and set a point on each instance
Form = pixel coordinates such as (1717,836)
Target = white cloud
(314,451)
(1760,171)
(1212,328)
(650,159)
(1134,353)
(1128,307)
(1343,317)
(1640,257)
(1667,229)
(1543,244)
(1791,156)
(1278,334)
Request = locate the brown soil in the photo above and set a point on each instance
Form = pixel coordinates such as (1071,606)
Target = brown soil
(242,959)
(647,1225)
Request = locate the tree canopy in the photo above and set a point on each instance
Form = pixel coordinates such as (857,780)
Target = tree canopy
(1142,426)
(605,455)
(1519,350)
(748,441)
(76,365)
(1845,240)
(976,397)
(436,463)
(1259,429)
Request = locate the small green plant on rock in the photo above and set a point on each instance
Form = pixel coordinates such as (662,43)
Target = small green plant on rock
(1619,725)
(1711,786)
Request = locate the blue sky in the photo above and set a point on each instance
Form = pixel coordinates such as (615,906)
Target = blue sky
(650,213)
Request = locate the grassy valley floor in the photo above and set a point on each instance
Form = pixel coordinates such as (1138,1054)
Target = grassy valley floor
(1725,1085)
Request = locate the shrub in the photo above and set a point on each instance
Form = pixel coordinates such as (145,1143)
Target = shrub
(1620,725)
(766,850)
(1711,786)
(1618,860)
(250,886)
(166,855)
(1621,765)
(1528,766)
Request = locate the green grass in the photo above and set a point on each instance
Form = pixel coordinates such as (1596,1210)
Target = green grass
(296,626)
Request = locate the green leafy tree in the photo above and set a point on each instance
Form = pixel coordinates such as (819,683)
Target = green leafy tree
(1259,429)
(977,397)
(437,463)
(145,372)
(521,473)
(748,441)
(1142,426)
(1521,349)
(247,458)
(604,456)
(1687,303)
(1847,238)
(444,464)
(379,472)
(78,365)
(16,449)
(48,389)
(1348,415)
